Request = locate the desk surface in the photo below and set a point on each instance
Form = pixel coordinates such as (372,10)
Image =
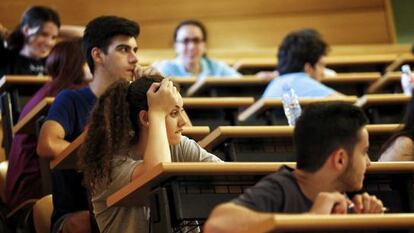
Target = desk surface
(382,99)
(307,222)
(217,102)
(23,80)
(348,78)
(329,60)
(68,159)
(27,123)
(386,80)
(246,80)
(265,103)
(221,133)
(135,192)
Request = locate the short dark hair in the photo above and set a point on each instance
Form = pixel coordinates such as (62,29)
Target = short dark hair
(324,127)
(100,31)
(298,48)
(35,16)
(192,22)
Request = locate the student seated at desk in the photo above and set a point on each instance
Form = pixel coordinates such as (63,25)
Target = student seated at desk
(331,142)
(23,180)
(400,146)
(31,42)
(301,63)
(134,126)
(190,38)
(109,46)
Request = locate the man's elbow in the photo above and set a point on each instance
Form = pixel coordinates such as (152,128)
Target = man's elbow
(44,149)
(213,224)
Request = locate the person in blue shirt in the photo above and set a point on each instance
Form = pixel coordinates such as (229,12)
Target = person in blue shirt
(110,48)
(301,63)
(190,38)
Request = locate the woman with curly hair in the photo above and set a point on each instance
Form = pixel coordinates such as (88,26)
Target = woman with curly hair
(133,127)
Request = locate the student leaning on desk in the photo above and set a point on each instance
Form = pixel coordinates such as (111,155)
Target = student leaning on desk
(332,142)
(134,126)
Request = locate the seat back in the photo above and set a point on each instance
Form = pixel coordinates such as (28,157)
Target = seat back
(42,212)
(3,172)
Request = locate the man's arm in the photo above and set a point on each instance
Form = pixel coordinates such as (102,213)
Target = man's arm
(51,140)
(233,218)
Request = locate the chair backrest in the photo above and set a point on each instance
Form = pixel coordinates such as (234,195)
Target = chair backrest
(42,212)
(3,172)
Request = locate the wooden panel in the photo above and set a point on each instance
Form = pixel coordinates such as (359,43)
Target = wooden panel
(268,31)
(233,23)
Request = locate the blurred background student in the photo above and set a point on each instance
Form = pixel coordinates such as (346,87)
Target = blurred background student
(190,43)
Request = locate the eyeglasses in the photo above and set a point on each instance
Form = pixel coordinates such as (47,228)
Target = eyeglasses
(187,41)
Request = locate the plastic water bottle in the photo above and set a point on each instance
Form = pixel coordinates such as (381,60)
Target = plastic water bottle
(406,80)
(291,105)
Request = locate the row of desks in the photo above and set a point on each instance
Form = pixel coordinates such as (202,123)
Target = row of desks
(243,107)
(182,192)
(240,143)
(347,83)
(247,62)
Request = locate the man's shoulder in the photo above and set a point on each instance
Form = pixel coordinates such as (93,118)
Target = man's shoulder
(74,94)
(282,178)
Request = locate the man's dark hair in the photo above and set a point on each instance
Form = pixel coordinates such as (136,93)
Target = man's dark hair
(298,48)
(323,128)
(100,31)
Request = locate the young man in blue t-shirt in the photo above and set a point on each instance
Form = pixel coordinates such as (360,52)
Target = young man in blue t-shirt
(301,66)
(328,165)
(110,48)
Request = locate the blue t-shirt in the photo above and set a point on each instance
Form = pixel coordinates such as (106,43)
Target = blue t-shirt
(70,109)
(303,84)
(209,67)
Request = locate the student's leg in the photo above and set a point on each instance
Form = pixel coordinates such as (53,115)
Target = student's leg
(78,222)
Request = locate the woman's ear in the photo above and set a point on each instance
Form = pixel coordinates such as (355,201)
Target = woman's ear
(143,118)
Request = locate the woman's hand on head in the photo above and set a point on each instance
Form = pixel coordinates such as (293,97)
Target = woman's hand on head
(146,71)
(162,97)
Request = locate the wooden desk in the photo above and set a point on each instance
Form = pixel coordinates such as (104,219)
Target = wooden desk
(15,92)
(307,222)
(401,60)
(384,108)
(340,63)
(265,103)
(27,123)
(390,82)
(272,143)
(10,81)
(352,83)
(382,99)
(215,111)
(68,158)
(251,85)
(188,191)
(222,86)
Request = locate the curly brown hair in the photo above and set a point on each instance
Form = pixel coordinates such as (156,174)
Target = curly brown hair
(113,128)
